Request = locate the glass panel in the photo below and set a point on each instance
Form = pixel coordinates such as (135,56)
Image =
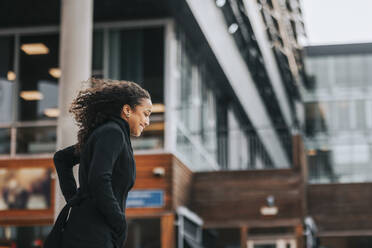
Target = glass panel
(25,188)
(238,144)
(355,70)
(342,71)
(23,236)
(31,140)
(144,233)
(7,78)
(368,67)
(4,140)
(152,137)
(138,55)
(39,73)
(97,60)
(265,246)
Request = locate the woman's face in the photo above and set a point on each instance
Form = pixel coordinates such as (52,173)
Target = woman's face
(139,117)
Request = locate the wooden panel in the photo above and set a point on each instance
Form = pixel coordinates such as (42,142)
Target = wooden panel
(147,180)
(181,181)
(341,207)
(167,231)
(236,197)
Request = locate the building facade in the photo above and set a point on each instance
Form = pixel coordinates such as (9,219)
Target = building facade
(225,79)
(338,141)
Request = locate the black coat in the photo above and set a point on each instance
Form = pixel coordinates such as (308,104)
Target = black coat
(106,173)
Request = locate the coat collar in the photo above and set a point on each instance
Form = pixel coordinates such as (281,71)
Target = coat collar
(122,123)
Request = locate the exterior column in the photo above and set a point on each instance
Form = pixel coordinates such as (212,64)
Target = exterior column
(243,237)
(75,64)
(167,231)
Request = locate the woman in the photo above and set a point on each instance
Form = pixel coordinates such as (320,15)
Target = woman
(107,114)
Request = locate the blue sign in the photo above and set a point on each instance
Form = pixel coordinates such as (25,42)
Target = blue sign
(145,199)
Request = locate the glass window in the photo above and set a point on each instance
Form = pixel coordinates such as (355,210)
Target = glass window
(368,70)
(239,145)
(31,140)
(7,79)
(38,81)
(138,55)
(356,70)
(343,115)
(342,71)
(360,114)
(97,58)
(4,141)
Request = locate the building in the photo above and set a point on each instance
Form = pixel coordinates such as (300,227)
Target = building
(338,141)
(225,78)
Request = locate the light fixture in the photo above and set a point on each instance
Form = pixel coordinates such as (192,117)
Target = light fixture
(220,3)
(311,152)
(233,28)
(324,149)
(11,76)
(51,112)
(31,95)
(158,108)
(158,171)
(270,209)
(55,72)
(35,48)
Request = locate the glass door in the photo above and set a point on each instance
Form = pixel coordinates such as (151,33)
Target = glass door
(274,243)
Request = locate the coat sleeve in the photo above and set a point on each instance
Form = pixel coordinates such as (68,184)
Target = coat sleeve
(108,145)
(64,161)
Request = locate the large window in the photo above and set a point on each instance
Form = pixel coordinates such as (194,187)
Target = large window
(29,74)
(137,55)
(38,77)
(196,109)
(338,119)
(340,73)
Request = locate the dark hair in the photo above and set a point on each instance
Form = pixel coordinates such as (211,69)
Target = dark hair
(104,98)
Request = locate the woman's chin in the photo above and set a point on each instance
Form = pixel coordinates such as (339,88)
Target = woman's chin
(136,134)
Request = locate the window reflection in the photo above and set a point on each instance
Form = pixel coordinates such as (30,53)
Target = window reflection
(138,55)
(7,77)
(38,81)
(4,140)
(31,140)
(339,121)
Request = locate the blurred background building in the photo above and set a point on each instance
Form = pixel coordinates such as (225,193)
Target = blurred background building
(338,140)
(223,162)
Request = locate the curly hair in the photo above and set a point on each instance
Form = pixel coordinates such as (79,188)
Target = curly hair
(93,106)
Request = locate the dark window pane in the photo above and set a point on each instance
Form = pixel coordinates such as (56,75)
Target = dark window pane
(4,140)
(39,73)
(138,55)
(31,140)
(97,61)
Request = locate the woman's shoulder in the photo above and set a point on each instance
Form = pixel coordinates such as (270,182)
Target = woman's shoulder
(109,127)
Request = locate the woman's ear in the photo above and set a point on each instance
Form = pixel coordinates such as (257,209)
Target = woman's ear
(126,111)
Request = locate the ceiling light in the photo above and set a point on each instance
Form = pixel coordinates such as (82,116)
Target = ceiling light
(51,112)
(55,72)
(35,48)
(311,152)
(31,95)
(158,108)
(233,28)
(220,3)
(11,76)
